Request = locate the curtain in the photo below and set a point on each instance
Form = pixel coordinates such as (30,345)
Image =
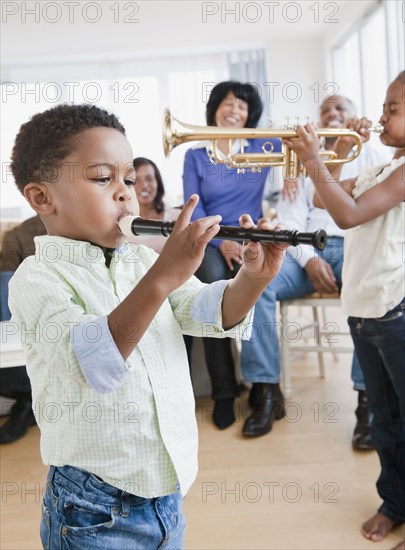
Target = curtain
(250,66)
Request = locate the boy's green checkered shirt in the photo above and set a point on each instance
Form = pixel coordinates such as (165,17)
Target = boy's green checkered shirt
(132,423)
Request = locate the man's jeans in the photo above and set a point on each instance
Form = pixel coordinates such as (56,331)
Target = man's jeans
(260,360)
(80,511)
(380,346)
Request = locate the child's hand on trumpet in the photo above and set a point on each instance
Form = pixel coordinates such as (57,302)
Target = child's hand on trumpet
(361,126)
(306,144)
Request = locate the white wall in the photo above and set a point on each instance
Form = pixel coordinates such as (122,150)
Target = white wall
(291,88)
(69,29)
(36,34)
(296,71)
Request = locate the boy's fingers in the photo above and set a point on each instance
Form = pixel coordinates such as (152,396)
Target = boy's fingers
(246,222)
(203,225)
(185,215)
(265,224)
(206,232)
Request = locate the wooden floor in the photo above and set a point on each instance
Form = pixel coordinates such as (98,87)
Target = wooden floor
(299,487)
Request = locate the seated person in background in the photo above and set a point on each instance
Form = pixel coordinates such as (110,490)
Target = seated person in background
(18,243)
(304,271)
(150,191)
(229,193)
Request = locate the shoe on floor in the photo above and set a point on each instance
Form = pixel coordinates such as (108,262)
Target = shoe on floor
(223,414)
(362,440)
(21,418)
(268,405)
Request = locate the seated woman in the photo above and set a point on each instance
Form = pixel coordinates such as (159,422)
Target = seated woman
(228,192)
(150,191)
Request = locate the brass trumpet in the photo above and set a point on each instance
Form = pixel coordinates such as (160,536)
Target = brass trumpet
(176,132)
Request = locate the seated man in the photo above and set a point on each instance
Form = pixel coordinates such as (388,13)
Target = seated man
(18,243)
(304,271)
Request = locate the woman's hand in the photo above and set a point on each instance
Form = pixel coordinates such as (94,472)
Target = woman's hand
(291,189)
(232,251)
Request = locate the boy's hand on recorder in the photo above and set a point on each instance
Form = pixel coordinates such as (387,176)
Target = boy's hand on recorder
(184,250)
(261,260)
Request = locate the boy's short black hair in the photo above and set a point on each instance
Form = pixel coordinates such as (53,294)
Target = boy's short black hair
(49,137)
(246,92)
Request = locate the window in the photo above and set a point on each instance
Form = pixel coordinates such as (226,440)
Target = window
(370,56)
(136,91)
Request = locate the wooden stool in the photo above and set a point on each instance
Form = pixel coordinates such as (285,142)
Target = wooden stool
(314,301)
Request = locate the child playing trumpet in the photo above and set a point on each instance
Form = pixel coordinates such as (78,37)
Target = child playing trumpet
(372,208)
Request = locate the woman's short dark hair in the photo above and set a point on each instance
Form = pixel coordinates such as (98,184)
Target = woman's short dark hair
(49,137)
(158,203)
(246,92)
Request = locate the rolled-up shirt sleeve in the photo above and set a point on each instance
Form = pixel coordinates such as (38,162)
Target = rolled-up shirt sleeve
(207,301)
(100,361)
(207,309)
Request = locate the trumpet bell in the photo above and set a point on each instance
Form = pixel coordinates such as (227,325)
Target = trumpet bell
(167,133)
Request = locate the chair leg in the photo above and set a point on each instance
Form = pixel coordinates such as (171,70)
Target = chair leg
(318,342)
(330,345)
(285,353)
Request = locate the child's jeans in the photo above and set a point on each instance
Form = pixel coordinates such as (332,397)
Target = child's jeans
(380,347)
(82,512)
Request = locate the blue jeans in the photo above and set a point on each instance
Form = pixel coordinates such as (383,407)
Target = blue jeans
(380,346)
(81,512)
(260,360)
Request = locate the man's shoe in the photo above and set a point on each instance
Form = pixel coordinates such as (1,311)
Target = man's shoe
(21,418)
(268,406)
(253,395)
(362,440)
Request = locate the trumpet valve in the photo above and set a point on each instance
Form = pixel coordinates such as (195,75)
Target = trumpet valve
(291,126)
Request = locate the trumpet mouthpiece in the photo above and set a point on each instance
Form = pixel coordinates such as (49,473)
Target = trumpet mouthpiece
(377,129)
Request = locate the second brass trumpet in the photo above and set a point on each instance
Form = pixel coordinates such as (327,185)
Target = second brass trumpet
(176,132)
